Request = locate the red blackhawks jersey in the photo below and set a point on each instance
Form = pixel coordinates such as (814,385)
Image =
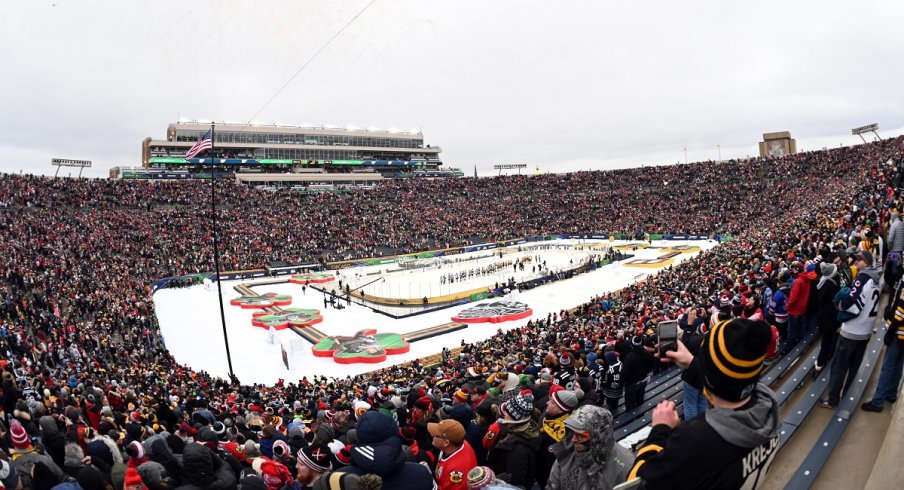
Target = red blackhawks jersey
(452,470)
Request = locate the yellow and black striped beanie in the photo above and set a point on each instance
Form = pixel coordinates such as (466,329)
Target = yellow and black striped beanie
(732,355)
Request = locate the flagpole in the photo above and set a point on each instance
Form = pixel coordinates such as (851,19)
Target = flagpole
(216,250)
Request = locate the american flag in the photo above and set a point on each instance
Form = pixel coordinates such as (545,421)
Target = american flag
(203,144)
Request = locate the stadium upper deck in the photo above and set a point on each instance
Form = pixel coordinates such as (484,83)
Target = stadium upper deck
(275,148)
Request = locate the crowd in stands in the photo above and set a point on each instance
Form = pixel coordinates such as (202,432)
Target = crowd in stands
(92,399)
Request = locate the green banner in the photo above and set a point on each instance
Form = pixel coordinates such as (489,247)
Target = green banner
(180,161)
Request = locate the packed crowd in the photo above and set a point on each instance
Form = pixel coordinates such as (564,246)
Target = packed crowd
(91,397)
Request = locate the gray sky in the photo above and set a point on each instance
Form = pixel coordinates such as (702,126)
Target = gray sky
(565,85)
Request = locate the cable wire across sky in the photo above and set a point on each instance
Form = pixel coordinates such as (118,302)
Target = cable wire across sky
(311,59)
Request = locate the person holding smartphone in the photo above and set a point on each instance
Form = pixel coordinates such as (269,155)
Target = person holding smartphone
(735,441)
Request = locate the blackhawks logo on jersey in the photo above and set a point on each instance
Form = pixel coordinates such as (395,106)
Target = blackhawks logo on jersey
(456,476)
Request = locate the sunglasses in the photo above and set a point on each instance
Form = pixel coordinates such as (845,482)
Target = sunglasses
(581,436)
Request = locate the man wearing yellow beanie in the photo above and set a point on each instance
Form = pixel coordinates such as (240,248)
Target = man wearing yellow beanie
(734,443)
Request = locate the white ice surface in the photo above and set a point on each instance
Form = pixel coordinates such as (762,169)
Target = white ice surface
(192,331)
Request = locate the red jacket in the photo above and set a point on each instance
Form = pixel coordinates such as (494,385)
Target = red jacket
(800,294)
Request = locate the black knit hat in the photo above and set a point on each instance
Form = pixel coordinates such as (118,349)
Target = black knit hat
(731,357)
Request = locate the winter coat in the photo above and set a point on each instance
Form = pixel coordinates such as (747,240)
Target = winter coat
(53,441)
(800,294)
(827,314)
(514,457)
(603,465)
(726,448)
(895,240)
(637,365)
(474,435)
(387,460)
(202,469)
(25,459)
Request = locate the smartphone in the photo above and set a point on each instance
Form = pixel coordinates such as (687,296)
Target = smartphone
(667,331)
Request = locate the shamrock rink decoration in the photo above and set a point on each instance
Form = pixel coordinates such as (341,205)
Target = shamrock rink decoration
(312,278)
(365,346)
(289,317)
(495,312)
(263,301)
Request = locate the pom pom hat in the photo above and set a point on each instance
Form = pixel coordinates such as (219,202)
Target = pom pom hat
(731,358)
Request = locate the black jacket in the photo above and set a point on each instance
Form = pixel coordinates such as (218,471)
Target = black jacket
(638,364)
(387,459)
(827,314)
(514,459)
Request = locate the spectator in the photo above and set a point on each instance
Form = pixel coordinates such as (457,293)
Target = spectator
(729,446)
(895,242)
(456,457)
(552,427)
(312,463)
(797,304)
(893,363)
(588,457)
(638,365)
(514,456)
(25,457)
(861,306)
(778,306)
(379,451)
(483,478)
(613,386)
(827,314)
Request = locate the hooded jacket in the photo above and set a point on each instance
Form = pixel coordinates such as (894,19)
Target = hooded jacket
(53,441)
(380,451)
(800,293)
(726,448)
(603,466)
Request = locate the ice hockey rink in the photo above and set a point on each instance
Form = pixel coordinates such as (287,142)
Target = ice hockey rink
(192,330)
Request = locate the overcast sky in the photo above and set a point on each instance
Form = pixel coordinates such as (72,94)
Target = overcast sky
(566,85)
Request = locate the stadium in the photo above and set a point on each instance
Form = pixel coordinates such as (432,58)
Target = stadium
(72,307)
(582,268)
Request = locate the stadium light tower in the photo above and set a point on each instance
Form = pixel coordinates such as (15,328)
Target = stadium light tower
(869,128)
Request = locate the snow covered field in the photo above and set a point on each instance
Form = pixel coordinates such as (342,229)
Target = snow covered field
(192,330)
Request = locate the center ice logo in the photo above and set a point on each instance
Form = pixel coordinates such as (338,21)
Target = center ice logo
(495,312)
(263,301)
(365,346)
(290,317)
